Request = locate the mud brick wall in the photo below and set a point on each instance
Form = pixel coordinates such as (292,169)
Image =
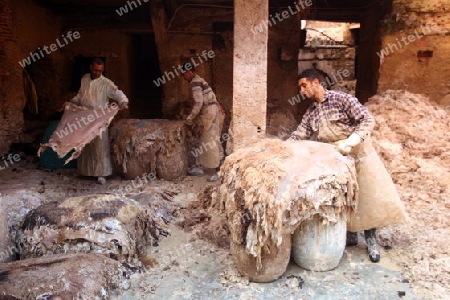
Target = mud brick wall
(420,65)
(11,91)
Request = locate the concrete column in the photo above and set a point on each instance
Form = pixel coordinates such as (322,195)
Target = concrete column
(249,72)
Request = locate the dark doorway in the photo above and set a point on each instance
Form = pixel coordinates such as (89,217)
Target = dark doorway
(146,96)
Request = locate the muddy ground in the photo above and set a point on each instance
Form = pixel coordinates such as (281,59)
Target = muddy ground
(191,267)
(193,262)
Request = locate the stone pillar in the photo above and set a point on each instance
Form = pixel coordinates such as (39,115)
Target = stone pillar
(249,72)
(159,23)
(11,87)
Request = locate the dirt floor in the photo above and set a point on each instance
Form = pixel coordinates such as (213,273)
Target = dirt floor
(189,267)
(193,262)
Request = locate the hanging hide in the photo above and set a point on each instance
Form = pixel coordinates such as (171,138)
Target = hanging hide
(78,126)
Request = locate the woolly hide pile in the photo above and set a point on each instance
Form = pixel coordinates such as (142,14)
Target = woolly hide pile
(413,138)
(73,132)
(88,224)
(150,146)
(70,276)
(16,205)
(280,123)
(270,188)
(5,239)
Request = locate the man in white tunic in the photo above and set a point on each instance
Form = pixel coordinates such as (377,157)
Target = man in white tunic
(94,93)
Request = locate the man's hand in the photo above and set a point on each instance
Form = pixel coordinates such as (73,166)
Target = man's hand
(188,122)
(345,146)
(123,105)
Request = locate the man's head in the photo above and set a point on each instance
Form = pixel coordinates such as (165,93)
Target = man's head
(188,71)
(97,68)
(310,83)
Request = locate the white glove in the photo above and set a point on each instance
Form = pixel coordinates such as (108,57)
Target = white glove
(345,146)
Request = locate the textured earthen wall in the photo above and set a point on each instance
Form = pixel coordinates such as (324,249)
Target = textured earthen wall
(282,69)
(113,45)
(188,47)
(11,91)
(24,27)
(402,67)
(38,27)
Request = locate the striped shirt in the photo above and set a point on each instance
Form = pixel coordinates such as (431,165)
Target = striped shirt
(202,94)
(339,108)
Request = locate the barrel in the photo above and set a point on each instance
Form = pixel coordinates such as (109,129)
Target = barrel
(318,244)
(274,260)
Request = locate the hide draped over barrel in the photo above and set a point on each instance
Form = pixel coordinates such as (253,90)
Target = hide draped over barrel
(268,190)
(155,146)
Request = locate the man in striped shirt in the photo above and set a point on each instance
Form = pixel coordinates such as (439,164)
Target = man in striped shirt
(207,114)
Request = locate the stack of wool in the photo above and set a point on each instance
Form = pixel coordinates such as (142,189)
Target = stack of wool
(269,189)
(107,224)
(280,122)
(155,146)
(69,276)
(413,139)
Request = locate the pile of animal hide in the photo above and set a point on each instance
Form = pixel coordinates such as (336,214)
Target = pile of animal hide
(150,146)
(280,122)
(105,223)
(70,276)
(13,208)
(78,126)
(5,239)
(270,188)
(412,136)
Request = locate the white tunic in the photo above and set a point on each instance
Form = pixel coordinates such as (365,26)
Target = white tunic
(95,159)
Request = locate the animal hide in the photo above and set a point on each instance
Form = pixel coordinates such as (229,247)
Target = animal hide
(70,276)
(272,187)
(105,223)
(150,146)
(78,126)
